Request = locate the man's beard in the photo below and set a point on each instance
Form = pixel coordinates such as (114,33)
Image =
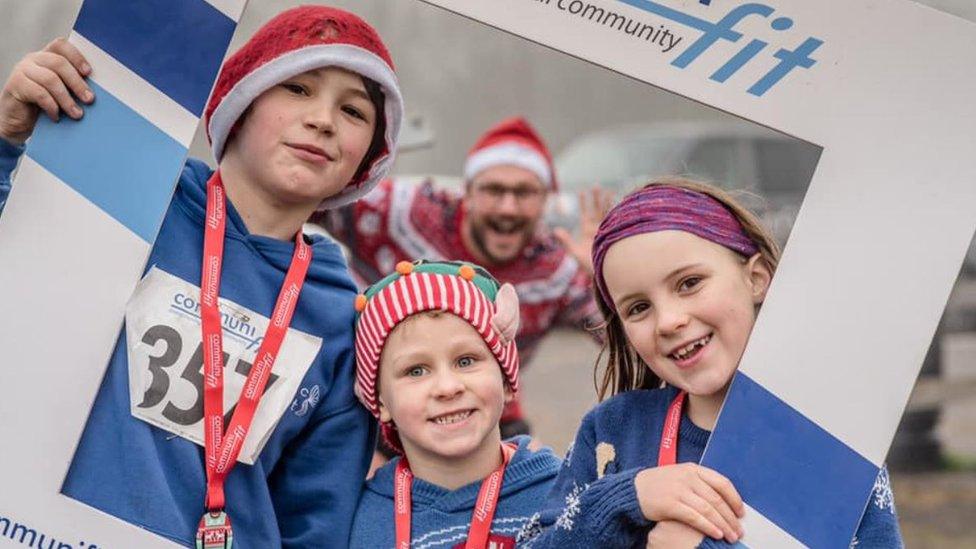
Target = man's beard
(499,225)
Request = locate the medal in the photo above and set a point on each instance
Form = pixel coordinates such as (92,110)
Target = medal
(214,531)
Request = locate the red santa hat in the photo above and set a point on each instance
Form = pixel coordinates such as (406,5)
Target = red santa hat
(299,40)
(512,142)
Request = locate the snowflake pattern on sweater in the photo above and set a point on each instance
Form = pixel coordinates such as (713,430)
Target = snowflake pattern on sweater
(571,508)
(530,530)
(882,498)
(882,495)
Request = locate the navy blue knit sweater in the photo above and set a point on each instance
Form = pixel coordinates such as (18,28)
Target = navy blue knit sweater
(441,518)
(594,501)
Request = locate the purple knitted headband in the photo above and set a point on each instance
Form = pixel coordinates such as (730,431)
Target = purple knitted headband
(664,208)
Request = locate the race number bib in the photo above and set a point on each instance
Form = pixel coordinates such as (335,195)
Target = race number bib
(166,361)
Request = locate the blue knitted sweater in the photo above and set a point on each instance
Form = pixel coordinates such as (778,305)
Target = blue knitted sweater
(441,518)
(594,502)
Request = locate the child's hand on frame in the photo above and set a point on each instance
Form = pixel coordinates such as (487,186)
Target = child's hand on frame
(669,534)
(43,80)
(694,495)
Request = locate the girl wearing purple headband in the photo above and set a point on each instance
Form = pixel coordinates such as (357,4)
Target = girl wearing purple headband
(680,271)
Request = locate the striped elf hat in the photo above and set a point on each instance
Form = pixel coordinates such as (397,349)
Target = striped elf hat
(462,289)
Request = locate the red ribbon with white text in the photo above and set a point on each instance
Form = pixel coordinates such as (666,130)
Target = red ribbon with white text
(668,454)
(222,451)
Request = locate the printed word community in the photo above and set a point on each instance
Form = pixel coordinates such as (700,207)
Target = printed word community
(659,34)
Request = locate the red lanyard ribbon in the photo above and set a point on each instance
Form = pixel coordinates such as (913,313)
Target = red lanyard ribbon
(221,451)
(484,507)
(668,454)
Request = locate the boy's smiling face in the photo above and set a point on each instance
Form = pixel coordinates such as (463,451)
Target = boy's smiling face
(303,140)
(443,388)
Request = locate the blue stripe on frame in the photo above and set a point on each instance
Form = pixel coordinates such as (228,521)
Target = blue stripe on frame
(175,45)
(118,160)
(788,468)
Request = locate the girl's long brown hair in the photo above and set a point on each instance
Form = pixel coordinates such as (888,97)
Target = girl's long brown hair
(625,369)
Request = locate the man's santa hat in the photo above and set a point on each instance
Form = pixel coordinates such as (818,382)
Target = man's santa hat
(512,142)
(299,40)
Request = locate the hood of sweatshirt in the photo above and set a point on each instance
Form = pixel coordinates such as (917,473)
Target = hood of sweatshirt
(527,469)
(328,263)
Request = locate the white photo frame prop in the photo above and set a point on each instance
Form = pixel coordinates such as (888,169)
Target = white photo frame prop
(87,202)
(864,278)
(877,243)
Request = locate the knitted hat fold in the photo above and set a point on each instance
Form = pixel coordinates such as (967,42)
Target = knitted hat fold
(296,41)
(514,142)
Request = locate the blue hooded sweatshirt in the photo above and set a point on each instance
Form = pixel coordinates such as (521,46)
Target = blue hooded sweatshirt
(311,442)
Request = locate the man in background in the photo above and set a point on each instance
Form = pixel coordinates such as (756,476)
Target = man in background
(496,222)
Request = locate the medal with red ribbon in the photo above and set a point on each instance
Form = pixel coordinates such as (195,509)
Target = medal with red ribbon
(484,507)
(668,454)
(223,447)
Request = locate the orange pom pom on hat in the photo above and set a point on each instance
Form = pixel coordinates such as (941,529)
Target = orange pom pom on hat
(513,142)
(464,290)
(299,40)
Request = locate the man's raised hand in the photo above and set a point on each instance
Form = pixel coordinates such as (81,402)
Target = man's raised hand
(594,205)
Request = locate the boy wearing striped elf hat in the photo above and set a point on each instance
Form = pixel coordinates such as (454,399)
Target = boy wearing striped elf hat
(436,363)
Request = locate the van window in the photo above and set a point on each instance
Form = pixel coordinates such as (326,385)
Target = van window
(785,165)
(715,160)
(596,160)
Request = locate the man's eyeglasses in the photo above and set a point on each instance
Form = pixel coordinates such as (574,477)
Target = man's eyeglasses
(523,194)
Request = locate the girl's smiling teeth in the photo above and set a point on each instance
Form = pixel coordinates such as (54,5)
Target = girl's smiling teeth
(451,418)
(690,349)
